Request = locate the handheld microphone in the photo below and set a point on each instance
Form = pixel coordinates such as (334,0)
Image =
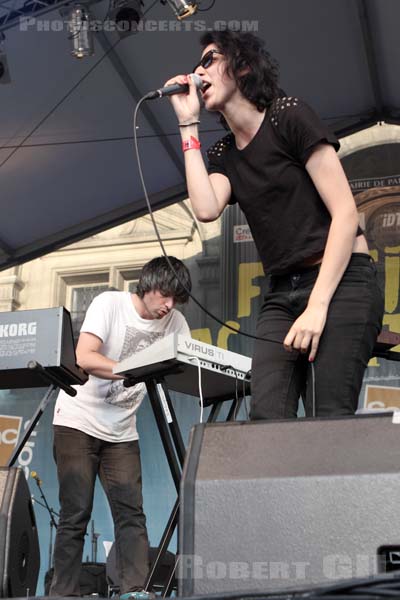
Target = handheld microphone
(175,88)
(36,477)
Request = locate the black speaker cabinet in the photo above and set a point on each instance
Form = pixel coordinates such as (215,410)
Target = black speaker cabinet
(288,505)
(162,574)
(92,580)
(19,544)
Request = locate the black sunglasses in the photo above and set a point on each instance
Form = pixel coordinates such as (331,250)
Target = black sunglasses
(207,59)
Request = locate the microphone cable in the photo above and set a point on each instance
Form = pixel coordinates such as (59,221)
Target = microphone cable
(151,214)
(314,400)
(197,302)
(197,361)
(246,378)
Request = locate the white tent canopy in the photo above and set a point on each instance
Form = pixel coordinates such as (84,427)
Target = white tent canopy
(66,151)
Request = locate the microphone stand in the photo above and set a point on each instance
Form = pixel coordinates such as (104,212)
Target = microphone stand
(51,512)
(94,543)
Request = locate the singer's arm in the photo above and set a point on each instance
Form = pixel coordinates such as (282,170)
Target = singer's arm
(208,194)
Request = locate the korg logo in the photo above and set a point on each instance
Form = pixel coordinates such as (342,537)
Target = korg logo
(18,329)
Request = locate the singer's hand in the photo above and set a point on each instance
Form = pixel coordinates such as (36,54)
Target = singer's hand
(306,331)
(186,106)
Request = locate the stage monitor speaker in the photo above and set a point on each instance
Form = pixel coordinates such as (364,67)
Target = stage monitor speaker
(289,505)
(19,544)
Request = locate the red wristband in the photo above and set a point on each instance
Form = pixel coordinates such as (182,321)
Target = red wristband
(191,144)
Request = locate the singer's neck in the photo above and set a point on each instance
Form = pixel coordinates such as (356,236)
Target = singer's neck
(244,121)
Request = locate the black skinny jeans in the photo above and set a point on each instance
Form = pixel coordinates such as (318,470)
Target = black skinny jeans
(80,458)
(353,323)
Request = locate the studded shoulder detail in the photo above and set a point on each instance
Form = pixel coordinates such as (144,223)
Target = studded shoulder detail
(219,147)
(279,105)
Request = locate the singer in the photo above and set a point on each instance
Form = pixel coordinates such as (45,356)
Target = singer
(95,431)
(278,162)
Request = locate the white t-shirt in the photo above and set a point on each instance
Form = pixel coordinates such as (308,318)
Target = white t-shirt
(103,408)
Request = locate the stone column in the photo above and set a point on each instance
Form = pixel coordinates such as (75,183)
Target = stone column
(10,286)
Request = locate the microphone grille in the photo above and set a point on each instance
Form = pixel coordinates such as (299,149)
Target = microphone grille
(197,80)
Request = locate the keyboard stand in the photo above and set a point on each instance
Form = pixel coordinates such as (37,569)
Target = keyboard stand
(175,451)
(52,391)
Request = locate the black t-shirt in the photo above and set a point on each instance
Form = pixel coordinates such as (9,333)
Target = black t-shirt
(286,215)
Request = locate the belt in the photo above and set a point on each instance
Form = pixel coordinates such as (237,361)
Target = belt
(303,275)
(290,281)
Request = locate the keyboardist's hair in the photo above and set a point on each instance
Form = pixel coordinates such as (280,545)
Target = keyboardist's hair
(157,275)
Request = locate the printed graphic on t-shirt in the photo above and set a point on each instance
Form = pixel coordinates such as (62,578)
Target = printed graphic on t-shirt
(134,341)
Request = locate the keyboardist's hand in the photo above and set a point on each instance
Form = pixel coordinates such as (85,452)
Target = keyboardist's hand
(89,357)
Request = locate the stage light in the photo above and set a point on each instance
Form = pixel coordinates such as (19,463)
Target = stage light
(81,36)
(182,8)
(4,71)
(126,14)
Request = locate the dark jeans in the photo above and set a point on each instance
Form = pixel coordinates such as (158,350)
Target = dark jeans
(80,458)
(353,323)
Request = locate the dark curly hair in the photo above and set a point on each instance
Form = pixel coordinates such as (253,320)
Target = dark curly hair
(157,276)
(243,50)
